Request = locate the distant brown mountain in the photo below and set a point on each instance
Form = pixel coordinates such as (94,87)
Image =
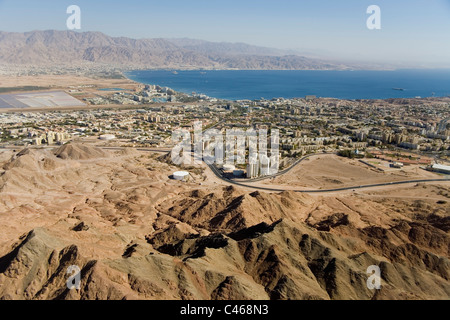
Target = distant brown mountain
(68,48)
(226,48)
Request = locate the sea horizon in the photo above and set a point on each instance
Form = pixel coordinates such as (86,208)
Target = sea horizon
(269,84)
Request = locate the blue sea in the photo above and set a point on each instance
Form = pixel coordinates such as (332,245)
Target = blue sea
(240,85)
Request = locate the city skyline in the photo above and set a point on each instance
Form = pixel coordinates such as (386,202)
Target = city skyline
(412,32)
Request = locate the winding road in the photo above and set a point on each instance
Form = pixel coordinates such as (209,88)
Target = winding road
(218,174)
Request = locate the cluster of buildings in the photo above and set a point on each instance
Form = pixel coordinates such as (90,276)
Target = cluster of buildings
(312,125)
(37,136)
(262,166)
(48,138)
(145,94)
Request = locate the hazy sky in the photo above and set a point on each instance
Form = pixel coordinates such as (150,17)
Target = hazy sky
(412,30)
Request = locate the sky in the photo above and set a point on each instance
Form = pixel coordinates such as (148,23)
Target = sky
(412,31)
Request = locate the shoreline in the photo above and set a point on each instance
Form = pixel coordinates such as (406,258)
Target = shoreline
(66,82)
(126,74)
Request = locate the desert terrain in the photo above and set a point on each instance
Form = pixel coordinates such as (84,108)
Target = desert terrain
(330,171)
(137,234)
(80,87)
(64,82)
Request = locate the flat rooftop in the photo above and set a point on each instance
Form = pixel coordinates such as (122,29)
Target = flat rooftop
(441,167)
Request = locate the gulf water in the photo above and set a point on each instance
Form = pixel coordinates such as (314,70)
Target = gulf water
(240,85)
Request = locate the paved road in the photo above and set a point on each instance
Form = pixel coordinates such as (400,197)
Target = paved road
(283,172)
(98,107)
(241,184)
(296,163)
(219,175)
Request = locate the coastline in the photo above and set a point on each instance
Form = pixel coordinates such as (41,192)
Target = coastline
(409,89)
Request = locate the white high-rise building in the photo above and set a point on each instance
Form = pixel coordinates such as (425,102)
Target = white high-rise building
(253,168)
(264,165)
(274,164)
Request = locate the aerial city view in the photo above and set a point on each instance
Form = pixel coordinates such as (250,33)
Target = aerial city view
(238,151)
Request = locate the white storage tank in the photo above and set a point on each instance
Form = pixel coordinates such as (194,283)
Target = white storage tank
(181,175)
(228,167)
(107,137)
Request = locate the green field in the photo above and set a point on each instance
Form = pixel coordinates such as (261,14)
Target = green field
(26,88)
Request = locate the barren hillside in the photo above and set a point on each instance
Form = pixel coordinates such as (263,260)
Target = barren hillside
(68,48)
(137,234)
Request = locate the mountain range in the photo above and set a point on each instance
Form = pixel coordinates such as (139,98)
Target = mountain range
(69,48)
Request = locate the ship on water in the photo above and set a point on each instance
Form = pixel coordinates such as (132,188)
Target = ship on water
(398,89)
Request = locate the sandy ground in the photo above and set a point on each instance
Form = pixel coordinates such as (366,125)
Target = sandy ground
(68,83)
(152,237)
(78,86)
(64,82)
(331,172)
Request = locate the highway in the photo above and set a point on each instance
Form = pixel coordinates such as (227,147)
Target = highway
(97,107)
